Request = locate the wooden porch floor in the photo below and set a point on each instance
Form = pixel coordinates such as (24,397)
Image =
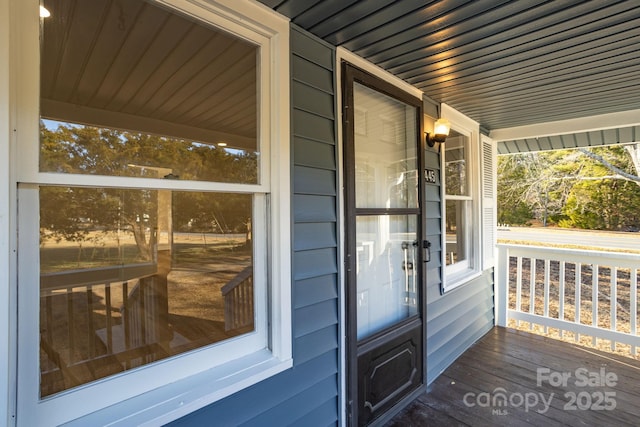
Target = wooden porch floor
(509,363)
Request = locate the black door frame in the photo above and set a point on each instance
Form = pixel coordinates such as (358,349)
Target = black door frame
(351,75)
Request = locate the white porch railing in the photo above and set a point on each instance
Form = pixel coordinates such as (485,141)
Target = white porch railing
(588,293)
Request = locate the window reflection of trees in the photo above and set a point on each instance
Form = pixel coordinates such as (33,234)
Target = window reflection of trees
(71,148)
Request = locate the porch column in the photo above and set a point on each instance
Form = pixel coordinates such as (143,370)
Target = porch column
(502,286)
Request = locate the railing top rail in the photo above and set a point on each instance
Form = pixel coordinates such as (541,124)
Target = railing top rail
(93,276)
(242,276)
(620,259)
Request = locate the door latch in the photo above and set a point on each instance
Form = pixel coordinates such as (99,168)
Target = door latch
(426,245)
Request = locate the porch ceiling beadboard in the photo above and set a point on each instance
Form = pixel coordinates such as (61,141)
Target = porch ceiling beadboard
(502,63)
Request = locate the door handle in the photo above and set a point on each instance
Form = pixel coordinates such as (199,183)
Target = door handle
(426,245)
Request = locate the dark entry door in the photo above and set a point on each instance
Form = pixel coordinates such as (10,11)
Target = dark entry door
(382,160)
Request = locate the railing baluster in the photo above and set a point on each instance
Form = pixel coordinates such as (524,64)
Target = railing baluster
(532,290)
(107,303)
(71,324)
(633,306)
(547,273)
(124,316)
(501,297)
(595,279)
(49,310)
(90,328)
(613,302)
(561,294)
(578,296)
(596,329)
(518,286)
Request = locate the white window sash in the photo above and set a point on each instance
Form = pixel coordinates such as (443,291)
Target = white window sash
(163,391)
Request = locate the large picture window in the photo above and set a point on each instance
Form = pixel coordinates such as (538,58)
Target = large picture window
(154,197)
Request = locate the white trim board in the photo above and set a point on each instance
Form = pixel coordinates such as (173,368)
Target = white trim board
(563,127)
(358,61)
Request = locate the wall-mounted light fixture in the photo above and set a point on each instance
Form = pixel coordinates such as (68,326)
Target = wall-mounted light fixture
(440,132)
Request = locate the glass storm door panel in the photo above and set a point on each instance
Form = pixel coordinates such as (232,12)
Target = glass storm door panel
(386,278)
(386,170)
(383,241)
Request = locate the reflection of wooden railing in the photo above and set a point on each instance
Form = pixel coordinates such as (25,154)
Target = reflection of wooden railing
(84,323)
(98,322)
(86,277)
(238,301)
(69,283)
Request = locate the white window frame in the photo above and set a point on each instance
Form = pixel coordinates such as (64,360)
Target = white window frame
(7,224)
(462,272)
(169,389)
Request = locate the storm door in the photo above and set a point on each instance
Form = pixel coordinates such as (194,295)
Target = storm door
(383,241)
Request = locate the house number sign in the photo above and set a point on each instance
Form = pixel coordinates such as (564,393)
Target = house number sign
(430,176)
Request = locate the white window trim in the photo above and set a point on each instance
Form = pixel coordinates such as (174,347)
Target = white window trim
(461,273)
(170,389)
(7,224)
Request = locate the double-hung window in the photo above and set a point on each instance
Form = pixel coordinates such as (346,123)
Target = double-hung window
(461,193)
(153,196)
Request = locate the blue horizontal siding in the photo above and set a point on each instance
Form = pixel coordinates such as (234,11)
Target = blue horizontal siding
(313,50)
(324,415)
(456,320)
(311,74)
(460,317)
(309,346)
(315,317)
(314,235)
(310,153)
(249,404)
(312,263)
(314,181)
(314,208)
(315,289)
(298,406)
(308,98)
(313,127)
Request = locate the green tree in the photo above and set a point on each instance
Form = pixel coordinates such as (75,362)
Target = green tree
(71,213)
(607,197)
(533,186)
(594,188)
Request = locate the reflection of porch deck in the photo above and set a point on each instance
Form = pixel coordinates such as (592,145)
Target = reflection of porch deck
(509,361)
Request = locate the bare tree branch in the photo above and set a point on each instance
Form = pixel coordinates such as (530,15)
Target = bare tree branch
(634,152)
(615,169)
